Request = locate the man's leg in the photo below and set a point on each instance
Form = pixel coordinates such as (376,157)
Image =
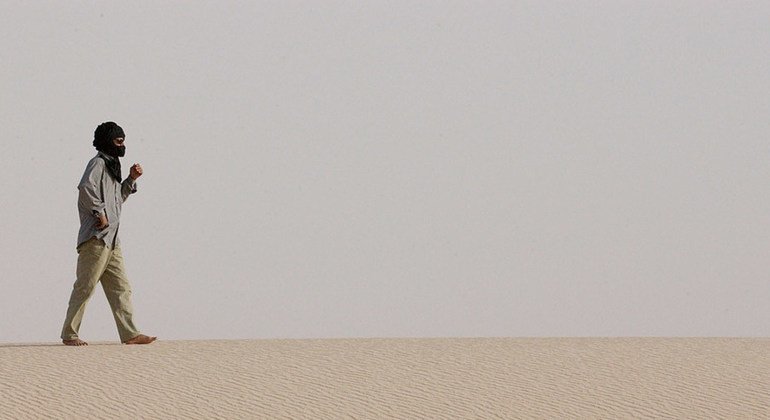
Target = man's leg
(92,261)
(118,292)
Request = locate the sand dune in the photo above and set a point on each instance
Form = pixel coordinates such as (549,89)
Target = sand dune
(453,378)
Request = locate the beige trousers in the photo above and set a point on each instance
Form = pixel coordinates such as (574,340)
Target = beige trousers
(97,262)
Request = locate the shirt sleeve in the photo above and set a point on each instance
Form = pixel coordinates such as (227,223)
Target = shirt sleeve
(90,196)
(127,187)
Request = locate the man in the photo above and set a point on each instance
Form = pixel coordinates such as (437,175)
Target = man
(102,193)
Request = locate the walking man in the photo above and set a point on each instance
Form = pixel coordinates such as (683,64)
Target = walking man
(102,194)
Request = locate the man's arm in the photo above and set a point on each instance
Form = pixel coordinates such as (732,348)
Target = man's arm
(90,196)
(128,186)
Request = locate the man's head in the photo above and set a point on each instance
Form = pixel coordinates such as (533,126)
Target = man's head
(109,138)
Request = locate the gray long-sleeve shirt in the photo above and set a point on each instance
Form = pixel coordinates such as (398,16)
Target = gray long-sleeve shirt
(100,193)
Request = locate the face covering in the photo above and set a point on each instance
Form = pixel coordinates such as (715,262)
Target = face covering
(121,151)
(104,135)
(113,165)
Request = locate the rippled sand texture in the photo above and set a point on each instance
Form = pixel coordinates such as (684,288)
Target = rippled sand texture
(452,378)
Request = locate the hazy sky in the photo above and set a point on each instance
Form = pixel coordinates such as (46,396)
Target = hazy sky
(395,169)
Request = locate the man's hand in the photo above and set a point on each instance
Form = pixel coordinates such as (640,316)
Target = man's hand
(103,223)
(136,171)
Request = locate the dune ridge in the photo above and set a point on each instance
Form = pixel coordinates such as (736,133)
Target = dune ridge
(459,378)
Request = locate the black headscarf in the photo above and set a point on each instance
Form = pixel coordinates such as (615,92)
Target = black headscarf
(103,141)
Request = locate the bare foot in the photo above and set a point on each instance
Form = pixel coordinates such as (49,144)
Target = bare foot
(141,339)
(75,342)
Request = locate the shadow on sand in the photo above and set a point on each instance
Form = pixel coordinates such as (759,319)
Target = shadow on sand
(11,345)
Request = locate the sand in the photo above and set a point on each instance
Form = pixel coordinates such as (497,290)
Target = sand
(452,378)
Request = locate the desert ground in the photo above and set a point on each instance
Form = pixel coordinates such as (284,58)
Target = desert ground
(390,378)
